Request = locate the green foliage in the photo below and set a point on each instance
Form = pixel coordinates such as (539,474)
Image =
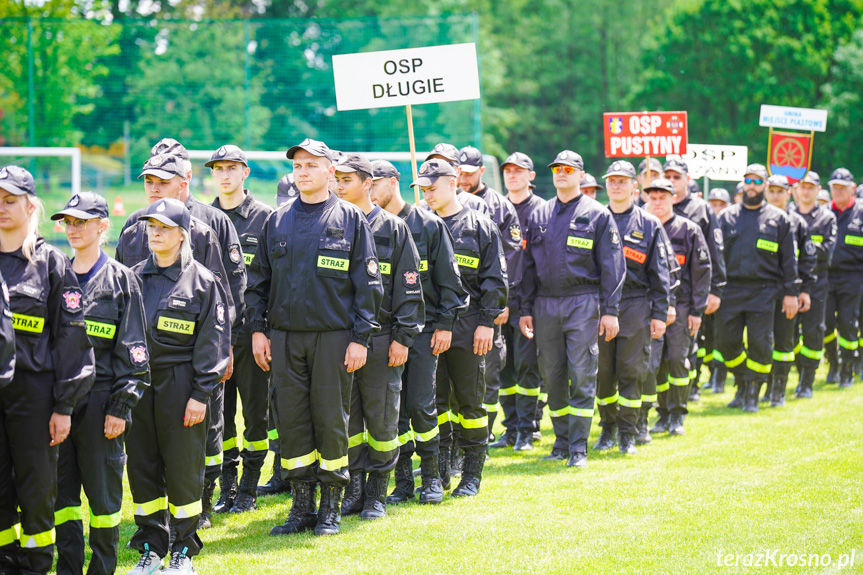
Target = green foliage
(842,96)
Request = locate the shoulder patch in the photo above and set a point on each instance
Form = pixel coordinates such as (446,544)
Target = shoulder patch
(810,248)
(138,354)
(515,232)
(717,236)
(411,278)
(372,267)
(220,313)
(703,256)
(615,237)
(72,300)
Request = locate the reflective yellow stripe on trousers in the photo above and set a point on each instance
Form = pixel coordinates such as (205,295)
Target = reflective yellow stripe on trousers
(476,423)
(150,507)
(104,521)
(302,461)
(428,435)
(571,411)
(43,539)
(61,516)
(260,445)
(184,511)
(10,535)
(383,446)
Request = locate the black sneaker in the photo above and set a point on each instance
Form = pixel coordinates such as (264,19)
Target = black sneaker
(577,459)
(556,455)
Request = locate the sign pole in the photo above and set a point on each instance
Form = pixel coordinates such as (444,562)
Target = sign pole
(413,153)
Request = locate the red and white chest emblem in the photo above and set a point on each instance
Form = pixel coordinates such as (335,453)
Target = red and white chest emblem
(72,300)
(411,278)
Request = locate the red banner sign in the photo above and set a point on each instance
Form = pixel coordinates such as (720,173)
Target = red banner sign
(640,134)
(789,154)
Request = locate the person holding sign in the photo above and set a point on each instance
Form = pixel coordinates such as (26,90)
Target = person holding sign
(461,369)
(571,286)
(762,268)
(93,457)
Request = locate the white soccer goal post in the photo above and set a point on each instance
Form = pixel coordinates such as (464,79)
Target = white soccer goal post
(73,153)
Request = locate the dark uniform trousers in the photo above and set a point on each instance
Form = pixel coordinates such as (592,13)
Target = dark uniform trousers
(26,405)
(520,380)
(783,342)
(655,351)
(566,331)
(752,308)
(705,344)
(216,411)
(461,374)
(253,384)
(810,349)
(418,420)
(621,366)
(672,380)
(495,363)
(373,443)
(89,459)
(843,305)
(167,474)
(313,394)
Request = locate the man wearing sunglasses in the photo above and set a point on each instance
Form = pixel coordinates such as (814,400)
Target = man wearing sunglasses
(571,284)
(762,268)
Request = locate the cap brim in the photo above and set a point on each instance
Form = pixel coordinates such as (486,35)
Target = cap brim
(294,149)
(678,170)
(516,164)
(13,189)
(468,168)
(212,163)
(624,174)
(158,173)
(841,183)
(160,218)
(345,169)
(648,189)
(80,214)
(553,164)
(425,182)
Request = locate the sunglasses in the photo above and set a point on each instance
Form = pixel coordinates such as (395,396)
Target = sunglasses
(564,169)
(756,181)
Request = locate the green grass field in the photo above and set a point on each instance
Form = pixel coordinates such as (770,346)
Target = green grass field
(786,479)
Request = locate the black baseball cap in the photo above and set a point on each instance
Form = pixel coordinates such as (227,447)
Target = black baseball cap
(165,167)
(675,165)
(384,169)
(720,194)
(520,160)
(170,147)
(16,180)
(779,180)
(84,206)
(568,158)
(655,166)
(588,181)
(660,185)
(841,176)
(757,170)
(738,189)
(228,153)
(693,188)
(618,168)
(354,163)
(811,177)
(170,212)
(823,195)
(431,170)
(445,150)
(470,159)
(314,147)
(286,189)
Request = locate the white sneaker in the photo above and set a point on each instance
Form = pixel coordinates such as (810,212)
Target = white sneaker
(149,563)
(180,564)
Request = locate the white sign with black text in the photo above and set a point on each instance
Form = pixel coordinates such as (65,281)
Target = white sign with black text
(807,119)
(724,163)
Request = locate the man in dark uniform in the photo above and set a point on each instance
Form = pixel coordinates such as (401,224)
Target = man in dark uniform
(471,170)
(444,297)
(230,169)
(589,186)
(461,369)
(762,268)
(373,445)
(315,294)
(449,154)
(647,174)
(846,272)
(783,328)
(521,384)
(822,232)
(643,312)
(571,284)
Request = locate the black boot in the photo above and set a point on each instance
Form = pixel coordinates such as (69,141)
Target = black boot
(404,475)
(374,506)
(248,493)
(807,379)
(846,373)
(643,436)
(738,394)
(328,515)
(506,440)
(456,459)
(523,440)
(831,354)
(750,396)
(661,424)
(675,424)
(607,438)
(471,476)
(431,490)
(720,375)
(627,444)
(303,515)
(206,505)
(766,397)
(777,391)
(354,494)
(276,484)
(443,468)
(694,391)
(228,485)
(709,383)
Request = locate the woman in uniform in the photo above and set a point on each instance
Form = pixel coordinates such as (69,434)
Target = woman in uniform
(54,369)
(93,455)
(188,338)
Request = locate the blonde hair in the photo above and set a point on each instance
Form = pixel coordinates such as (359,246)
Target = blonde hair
(186,247)
(28,248)
(103,239)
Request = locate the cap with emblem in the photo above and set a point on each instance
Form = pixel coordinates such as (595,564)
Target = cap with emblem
(841,176)
(655,166)
(618,168)
(165,167)
(170,212)
(336,156)
(757,170)
(676,165)
(693,188)
(520,160)
(446,151)
(738,189)
(823,196)
(720,194)
(431,170)
(286,189)
(778,180)
(84,206)
(568,158)
(170,147)
(354,163)
(811,177)
(384,169)
(314,147)
(660,185)
(470,159)
(229,153)
(588,181)
(16,180)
